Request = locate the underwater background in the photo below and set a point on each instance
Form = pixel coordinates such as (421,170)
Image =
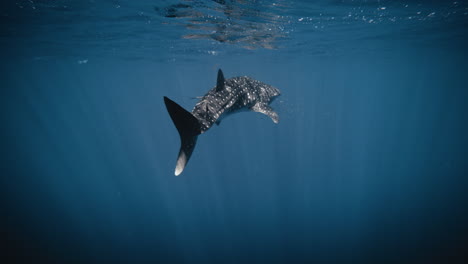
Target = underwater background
(368,163)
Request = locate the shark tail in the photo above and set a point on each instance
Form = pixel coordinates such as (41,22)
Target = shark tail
(189,129)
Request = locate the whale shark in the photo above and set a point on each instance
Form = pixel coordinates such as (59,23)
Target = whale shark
(229,96)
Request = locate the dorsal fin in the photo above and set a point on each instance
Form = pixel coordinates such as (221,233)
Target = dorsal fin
(220,81)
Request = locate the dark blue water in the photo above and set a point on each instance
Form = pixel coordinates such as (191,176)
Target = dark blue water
(367,165)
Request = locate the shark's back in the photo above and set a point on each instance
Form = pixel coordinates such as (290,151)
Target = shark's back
(238,94)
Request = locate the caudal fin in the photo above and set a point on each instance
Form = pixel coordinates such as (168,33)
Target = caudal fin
(189,129)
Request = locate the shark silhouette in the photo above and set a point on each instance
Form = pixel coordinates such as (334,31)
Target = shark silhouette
(229,96)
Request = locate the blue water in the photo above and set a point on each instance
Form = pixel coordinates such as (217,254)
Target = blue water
(367,165)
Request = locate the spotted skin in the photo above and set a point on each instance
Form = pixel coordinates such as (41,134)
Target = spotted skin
(237,94)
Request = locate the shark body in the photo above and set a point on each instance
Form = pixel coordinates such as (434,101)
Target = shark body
(229,96)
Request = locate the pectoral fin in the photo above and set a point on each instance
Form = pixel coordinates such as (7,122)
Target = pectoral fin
(267,110)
